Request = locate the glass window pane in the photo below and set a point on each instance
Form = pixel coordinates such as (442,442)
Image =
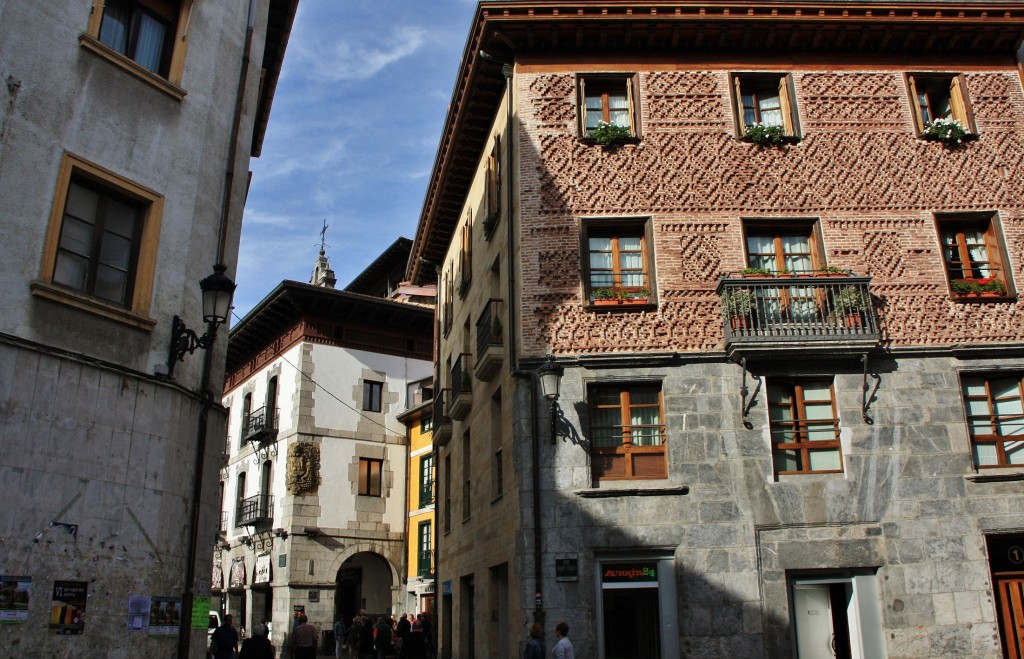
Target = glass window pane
(974,387)
(81,203)
(980,426)
(630,244)
(149,49)
(985,455)
(818,432)
(76,236)
(607,438)
(795,244)
(114,28)
(120,218)
(1014,452)
(619,118)
(817,391)
(115,251)
(617,102)
(787,460)
(826,460)
(818,411)
(111,284)
(71,271)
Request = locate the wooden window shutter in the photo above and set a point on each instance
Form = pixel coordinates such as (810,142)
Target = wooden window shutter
(915,105)
(959,101)
(634,119)
(581,103)
(738,105)
(995,252)
(496,206)
(786,106)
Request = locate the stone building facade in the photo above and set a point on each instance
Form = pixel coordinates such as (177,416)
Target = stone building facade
(791,371)
(313,483)
(126,130)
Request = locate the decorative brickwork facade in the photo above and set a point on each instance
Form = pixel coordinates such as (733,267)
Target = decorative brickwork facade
(791,372)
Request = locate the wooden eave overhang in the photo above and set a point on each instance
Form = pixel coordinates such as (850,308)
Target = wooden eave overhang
(292,302)
(947,31)
(280,18)
(397,252)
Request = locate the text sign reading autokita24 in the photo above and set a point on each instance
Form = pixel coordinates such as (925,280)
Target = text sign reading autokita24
(629,572)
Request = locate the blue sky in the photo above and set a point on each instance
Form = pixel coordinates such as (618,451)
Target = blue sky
(353,132)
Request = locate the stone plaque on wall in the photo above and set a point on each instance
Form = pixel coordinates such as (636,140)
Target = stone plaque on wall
(303,468)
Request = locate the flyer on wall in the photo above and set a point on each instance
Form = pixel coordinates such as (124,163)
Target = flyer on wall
(138,613)
(67,613)
(14,594)
(164,615)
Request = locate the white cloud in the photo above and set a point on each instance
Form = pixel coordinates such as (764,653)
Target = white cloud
(349,60)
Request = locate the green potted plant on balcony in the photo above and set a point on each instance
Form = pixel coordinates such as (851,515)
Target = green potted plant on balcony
(755,272)
(607,296)
(607,134)
(950,132)
(850,302)
(984,287)
(496,330)
(830,271)
(738,305)
(764,135)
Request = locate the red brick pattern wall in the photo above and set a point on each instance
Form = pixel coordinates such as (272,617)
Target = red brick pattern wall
(859,170)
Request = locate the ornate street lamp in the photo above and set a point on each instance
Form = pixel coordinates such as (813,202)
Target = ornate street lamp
(217,291)
(550,374)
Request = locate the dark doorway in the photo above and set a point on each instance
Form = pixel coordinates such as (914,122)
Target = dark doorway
(348,598)
(631,624)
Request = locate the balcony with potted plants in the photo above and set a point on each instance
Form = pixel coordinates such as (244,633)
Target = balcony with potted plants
(811,313)
(462,388)
(490,343)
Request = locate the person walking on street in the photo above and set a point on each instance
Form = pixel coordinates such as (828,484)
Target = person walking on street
(382,641)
(257,647)
(415,644)
(304,639)
(339,636)
(535,647)
(563,648)
(224,640)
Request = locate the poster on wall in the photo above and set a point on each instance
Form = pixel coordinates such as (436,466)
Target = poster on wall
(237,577)
(138,613)
(262,569)
(217,575)
(67,611)
(200,612)
(14,592)
(164,616)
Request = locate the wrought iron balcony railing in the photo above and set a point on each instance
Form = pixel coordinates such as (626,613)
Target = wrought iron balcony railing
(490,340)
(442,430)
(813,314)
(260,425)
(255,509)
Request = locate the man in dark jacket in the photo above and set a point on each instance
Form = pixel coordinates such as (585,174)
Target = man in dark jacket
(415,644)
(224,640)
(382,640)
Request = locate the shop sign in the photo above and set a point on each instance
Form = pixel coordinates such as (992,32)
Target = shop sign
(567,569)
(262,569)
(237,579)
(446,587)
(645,572)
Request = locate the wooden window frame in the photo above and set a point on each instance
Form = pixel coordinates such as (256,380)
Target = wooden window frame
(136,312)
(994,419)
(168,80)
(420,549)
(629,84)
(776,229)
(603,459)
(798,422)
(787,101)
(367,486)
(373,392)
(493,188)
(617,228)
(959,99)
(426,484)
(995,248)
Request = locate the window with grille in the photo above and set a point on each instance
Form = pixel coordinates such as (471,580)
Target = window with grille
(627,432)
(995,419)
(804,427)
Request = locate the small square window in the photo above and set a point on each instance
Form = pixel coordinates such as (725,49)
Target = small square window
(426,424)
(627,432)
(995,419)
(370,477)
(618,267)
(939,96)
(973,256)
(372,395)
(608,98)
(767,99)
(804,427)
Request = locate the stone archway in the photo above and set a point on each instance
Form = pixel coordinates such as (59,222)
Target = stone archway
(365,581)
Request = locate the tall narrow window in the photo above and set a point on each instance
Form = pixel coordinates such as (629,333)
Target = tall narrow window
(939,96)
(372,395)
(766,99)
(995,419)
(493,188)
(467,478)
(804,427)
(240,499)
(425,562)
(446,509)
(973,254)
(370,477)
(426,480)
(627,433)
(609,99)
(246,417)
